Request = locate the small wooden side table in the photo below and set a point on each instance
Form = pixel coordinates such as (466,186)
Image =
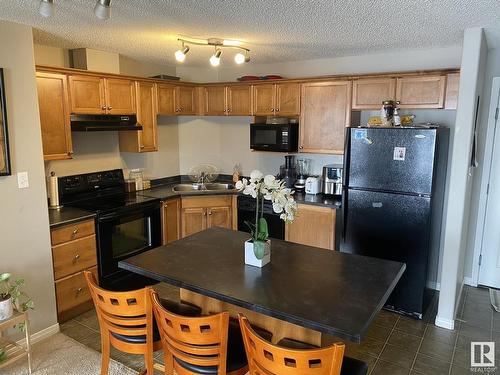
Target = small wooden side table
(14,350)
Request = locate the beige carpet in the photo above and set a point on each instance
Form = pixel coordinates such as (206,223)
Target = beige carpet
(61,355)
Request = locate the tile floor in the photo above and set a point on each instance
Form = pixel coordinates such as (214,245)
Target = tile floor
(394,344)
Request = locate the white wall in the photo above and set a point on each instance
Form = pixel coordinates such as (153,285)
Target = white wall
(457,214)
(24,225)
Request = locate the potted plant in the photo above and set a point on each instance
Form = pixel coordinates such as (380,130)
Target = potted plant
(12,297)
(262,188)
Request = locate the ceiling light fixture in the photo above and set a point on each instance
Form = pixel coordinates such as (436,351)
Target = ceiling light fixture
(46,8)
(102,9)
(240,58)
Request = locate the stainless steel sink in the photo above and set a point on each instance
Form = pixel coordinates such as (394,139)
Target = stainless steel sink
(203,188)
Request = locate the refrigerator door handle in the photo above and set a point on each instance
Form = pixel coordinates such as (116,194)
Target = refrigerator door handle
(344,214)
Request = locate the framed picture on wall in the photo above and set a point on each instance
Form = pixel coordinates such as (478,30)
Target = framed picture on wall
(4,135)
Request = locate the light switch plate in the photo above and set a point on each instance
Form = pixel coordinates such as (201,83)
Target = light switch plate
(22,180)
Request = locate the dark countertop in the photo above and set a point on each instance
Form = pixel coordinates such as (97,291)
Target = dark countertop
(328,291)
(68,215)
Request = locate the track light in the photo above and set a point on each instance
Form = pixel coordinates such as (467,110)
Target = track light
(215,59)
(241,58)
(102,9)
(46,8)
(180,55)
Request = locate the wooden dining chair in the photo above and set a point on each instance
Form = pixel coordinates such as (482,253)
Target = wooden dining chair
(199,345)
(127,323)
(265,358)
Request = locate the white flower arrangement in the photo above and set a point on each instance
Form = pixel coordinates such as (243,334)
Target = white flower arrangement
(267,188)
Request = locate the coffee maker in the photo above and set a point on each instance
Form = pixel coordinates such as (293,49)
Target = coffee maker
(288,171)
(303,171)
(332,179)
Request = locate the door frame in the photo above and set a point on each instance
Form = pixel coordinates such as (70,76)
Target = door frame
(485,178)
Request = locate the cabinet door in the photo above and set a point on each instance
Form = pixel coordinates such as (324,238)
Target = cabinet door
(313,226)
(370,93)
(215,100)
(264,99)
(54,116)
(120,96)
(287,99)
(325,113)
(219,217)
(166,100)
(193,220)
(146,116)
(421,92)
(171,218)
(452,87)
(87,95)
(185,100)
(239,100)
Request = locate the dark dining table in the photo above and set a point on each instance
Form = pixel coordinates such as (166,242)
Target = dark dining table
(322,290)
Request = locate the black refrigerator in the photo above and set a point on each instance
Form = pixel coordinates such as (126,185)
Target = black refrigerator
(393,202)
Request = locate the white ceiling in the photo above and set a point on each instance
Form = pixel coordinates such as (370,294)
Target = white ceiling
(275,30)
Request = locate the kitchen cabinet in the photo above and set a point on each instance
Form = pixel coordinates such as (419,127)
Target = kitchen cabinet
(313,226)
(171,218)
(73,251)
(145,140)
(231,100)
(53,103)
(452,87)
(370,93)
(325,113)
(421,91)
(200,213)
(97,95)
(278,99)
(176,100)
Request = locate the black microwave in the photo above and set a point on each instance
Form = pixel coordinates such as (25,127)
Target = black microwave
(279,138)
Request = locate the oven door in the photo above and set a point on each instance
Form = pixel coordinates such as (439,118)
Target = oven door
(126,233)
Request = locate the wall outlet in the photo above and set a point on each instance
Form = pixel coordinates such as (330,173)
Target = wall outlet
(22,180)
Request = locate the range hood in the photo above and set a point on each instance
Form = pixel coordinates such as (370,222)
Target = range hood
(95,123)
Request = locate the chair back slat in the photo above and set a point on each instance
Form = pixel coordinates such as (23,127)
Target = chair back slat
(197,340)
(268,359)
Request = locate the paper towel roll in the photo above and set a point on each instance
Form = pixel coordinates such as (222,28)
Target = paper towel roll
(53,189)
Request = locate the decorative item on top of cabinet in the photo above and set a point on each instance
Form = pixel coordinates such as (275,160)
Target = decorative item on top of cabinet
(325,113)
(53,104)
(171,220)
(200,213)
(145,140)
(370,93)
(97,95)
(313,226)
(176,100)
(421,91)
(452,87)
(281,99)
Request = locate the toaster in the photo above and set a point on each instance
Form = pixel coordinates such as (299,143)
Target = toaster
(313,185)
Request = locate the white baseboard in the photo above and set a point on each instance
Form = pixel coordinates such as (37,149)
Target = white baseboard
(41,335)
(468,281)
(445,323)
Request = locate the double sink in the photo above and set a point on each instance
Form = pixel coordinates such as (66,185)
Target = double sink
(204,188)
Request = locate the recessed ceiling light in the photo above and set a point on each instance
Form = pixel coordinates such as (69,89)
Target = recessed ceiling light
(46,8)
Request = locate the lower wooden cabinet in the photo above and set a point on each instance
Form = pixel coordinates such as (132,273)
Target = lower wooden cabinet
(171,220)
(73,251)
(200,213)
(313,226)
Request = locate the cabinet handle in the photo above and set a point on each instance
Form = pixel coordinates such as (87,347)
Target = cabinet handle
(277,109)
(272,109)
(110,108)
(75,231)
(204,213)
(301,147)
(103,107)
(142,146)
(210,212)
(77,256)
(79,290)
(226,110)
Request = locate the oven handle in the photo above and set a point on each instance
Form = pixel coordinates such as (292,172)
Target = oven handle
(145,207)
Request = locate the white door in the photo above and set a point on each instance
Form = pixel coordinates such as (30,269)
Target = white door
(489,271)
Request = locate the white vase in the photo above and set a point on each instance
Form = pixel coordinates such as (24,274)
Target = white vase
(250,257)
(6,310)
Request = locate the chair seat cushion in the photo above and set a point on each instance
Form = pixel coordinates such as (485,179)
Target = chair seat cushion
(350,366)
(182,308)
(236,356)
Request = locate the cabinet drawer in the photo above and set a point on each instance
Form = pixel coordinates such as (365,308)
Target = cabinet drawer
(74,256)
(213,201)
(72,291)
(72,232)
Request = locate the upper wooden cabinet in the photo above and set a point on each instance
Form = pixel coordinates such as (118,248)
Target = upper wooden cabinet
(96,95)
(200,213)
(325,113)
(451,95)
(421,91)
(54,116)
(144,140)
(176,100)
(280,99)
(231,100)
(370,93)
